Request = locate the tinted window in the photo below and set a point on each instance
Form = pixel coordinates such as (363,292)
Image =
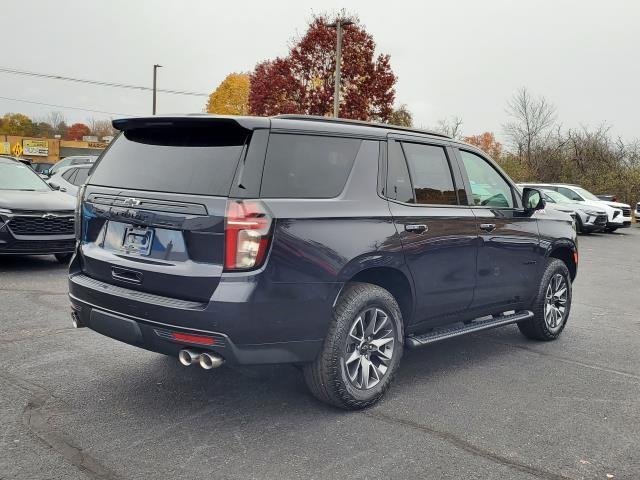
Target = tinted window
(68,174)
(398,181)
(199,159)
(81,176)
(488,188)
(430,174)
(307,166)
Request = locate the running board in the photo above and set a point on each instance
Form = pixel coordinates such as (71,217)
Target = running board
(438,334)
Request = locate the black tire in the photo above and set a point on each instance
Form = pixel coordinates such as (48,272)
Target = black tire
(538,327)
(64,258)
(327,376)
(610,229)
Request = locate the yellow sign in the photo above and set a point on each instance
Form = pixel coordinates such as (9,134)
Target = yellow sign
(97,145)
(17,150)
(5,148)
(39,148)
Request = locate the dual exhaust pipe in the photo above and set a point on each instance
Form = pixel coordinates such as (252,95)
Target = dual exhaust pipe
(207,360)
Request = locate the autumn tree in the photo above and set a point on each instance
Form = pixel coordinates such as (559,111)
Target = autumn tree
(231,97)
(487,143)
(16,124)
(101,128)
(303,82)
(43,129)
(401,116)
(77,131)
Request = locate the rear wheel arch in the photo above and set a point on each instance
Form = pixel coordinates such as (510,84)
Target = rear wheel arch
(393,280)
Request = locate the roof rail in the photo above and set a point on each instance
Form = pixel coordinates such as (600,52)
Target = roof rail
(346,121)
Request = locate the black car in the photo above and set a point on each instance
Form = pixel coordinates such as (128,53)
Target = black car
(325,243)
(34,218)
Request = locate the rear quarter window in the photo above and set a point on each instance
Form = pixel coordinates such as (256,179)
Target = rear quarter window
(311,166)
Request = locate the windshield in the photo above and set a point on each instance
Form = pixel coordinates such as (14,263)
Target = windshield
(585,194)
(557,197)
(16,176)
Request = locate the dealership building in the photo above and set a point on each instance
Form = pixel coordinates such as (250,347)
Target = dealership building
(50,150)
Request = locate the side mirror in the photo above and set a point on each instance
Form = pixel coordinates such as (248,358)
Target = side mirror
(55,186)
(532,199)
(45,172)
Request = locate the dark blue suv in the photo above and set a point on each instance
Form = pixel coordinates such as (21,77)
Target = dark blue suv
(330,244)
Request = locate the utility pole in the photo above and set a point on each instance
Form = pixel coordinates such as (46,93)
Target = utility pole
(338,24)
(155,75)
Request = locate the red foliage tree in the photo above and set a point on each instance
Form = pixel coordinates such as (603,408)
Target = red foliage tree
(303,82)
(77,131)
(486,142)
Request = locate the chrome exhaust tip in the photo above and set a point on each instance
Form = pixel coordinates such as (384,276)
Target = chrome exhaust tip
(75,320)
(210,360)
(188,357)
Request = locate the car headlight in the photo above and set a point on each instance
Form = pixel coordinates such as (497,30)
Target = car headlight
(591,212)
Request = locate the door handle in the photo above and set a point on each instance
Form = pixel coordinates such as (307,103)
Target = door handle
(416,228)
(488,227)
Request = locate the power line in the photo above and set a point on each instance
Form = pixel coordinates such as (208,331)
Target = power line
(97,82)
(66,107)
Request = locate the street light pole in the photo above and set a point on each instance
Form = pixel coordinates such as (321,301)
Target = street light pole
(155,75)
(338,24)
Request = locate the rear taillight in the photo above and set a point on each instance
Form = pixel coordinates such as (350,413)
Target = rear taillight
(77,217)
(247,234)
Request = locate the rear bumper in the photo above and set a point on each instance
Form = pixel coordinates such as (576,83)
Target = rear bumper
(34,244)
(248,328)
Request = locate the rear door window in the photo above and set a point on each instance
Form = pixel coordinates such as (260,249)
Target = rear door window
(430,174)
(311,166)
(196,159)
(81,176)
(69,174)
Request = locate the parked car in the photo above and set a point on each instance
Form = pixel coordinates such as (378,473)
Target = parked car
(69,179)
(608,198)
(619,216)
(331,244)
(588,218)
(34,219)
(69,161)
(41,167)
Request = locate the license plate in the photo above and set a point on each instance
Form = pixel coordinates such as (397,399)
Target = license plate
(137,240)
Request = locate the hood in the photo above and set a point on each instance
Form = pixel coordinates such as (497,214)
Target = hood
(561,207)
(552,214)
(616,204)
(50,201)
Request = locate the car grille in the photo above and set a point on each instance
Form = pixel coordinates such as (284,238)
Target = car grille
(42,226)
(601,220)
(626,212)
(50,246)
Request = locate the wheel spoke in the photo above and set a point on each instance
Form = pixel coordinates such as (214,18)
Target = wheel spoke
(380,320)
(355,355)
(365,365)
(357,327)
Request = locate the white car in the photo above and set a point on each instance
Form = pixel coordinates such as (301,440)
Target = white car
(619,214)
(70,179)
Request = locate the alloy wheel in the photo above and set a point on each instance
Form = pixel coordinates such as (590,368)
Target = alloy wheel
(369,348)
(555,302)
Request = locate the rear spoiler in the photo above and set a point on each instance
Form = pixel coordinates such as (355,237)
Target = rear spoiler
(247,123)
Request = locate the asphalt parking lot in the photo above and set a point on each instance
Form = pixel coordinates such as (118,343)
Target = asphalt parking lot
(75,405)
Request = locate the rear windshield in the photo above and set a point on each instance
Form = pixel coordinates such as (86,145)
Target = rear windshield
(299,166)
(178,159)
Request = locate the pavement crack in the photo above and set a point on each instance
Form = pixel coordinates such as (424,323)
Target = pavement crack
(36,416)
(570,361)
(467,446)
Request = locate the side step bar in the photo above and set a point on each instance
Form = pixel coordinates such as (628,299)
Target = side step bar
(438,334)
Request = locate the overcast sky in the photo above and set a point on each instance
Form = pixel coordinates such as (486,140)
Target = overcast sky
(464,57)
